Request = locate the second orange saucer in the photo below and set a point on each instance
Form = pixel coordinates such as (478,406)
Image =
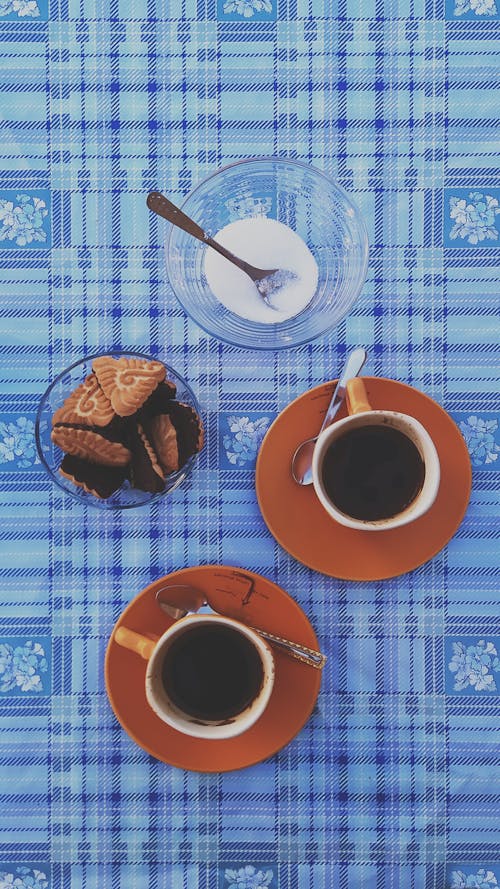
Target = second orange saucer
(299,523)
(247,597)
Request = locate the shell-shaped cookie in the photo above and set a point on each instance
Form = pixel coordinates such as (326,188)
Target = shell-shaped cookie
(127,382)
(87,406)
(164,439)
(90,445)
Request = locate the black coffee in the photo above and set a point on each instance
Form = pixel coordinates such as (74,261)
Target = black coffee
(212,672)
(373,472)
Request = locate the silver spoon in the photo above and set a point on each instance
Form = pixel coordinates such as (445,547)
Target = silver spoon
(181,600)
(302,459)
(267,281)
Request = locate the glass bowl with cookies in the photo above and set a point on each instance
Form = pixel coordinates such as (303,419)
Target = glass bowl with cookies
(118,430)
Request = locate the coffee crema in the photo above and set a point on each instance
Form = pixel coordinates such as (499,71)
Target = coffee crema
(373,472)
(212,672)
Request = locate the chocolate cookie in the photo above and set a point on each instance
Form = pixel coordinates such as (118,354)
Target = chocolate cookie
(189,428)
(157,401)
(101,481)
(145,470)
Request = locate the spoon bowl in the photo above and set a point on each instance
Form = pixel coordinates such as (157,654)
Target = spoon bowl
(179,600)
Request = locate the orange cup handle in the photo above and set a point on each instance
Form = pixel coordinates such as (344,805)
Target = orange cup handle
(357,399)
(135,642)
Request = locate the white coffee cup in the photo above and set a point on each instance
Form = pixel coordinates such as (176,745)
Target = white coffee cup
(362,415)
(155,650)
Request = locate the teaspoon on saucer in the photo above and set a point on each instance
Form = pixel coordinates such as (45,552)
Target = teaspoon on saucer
(182,600)
(302,458)
(267,281)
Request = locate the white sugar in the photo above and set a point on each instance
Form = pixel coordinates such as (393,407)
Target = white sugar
(267,244)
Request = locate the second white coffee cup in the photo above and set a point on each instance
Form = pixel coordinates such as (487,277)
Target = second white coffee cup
(155,652)
(361,414)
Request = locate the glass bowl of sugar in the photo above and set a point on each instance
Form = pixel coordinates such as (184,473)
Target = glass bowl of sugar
(274,213)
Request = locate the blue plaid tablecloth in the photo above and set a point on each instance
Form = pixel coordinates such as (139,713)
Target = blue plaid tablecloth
(394,781)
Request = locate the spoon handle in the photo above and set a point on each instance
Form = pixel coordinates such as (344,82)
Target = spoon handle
(161,205)
(183,600)
(158,203)
(352,368)
(300,652)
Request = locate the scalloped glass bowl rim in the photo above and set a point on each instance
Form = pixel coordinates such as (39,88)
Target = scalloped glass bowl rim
(88,499)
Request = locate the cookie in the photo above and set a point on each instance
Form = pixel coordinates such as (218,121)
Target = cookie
(87,405)
(127,382)
(189,428)
(145,471)
(123,422)
(164,440)
(101,481)
(90,445)
(158,400)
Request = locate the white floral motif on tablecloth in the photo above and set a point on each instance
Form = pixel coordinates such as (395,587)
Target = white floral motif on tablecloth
(479,437)
(247,8)
(245,438)
(248,878)
(479,7)
(17,443)
(483,879)
(474,217)
(474,665)
(23,223)
(22,8)
(23,878)
(20,667)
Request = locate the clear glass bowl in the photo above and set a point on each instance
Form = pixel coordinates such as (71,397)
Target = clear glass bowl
(51,456)
(303,198)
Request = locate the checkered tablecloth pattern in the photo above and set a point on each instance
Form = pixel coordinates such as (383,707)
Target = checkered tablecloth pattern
(394,781)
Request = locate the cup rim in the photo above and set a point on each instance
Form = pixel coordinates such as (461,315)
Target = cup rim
(206,729)
(410,513)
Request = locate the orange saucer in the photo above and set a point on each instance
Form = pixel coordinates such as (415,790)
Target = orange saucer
(297,520)
(245,596)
